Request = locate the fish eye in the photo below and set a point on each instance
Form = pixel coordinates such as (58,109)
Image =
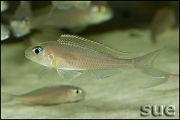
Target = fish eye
(37,50)
(78,91)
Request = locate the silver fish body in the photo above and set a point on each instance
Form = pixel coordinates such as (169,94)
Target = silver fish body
(49,95)
(71,55)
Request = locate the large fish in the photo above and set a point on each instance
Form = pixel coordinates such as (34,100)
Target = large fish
(71,55)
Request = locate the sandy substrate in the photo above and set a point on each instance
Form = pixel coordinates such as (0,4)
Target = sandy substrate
(114,97)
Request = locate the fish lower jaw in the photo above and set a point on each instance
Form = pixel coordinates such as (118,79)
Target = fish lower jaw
(26,56)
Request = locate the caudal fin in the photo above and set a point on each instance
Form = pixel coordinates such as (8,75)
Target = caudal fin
(144,64)
(5,97)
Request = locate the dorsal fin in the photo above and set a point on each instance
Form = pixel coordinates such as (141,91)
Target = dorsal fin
(74,40)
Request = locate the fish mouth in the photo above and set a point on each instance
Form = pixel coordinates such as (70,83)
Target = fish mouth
(27,53)
(26,56)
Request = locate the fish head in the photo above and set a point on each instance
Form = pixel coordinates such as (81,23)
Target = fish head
(75,94)
(36,53)
(99,13)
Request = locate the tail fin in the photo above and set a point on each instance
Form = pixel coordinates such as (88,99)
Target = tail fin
(5,97)
(144,64)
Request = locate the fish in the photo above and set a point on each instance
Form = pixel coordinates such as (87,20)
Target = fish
(94,14)
(4,6)
(20,21)
(48,95)
(71,55)
(4,33)
(163,20)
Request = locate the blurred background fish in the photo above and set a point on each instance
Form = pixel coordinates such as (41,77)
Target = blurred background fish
(48,95)
(163,20)
(74,19)
(20,22)
(96,16)
(4,6)
(4,32)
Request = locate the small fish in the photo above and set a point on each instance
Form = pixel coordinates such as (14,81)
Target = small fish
(4,6)
(4,33)
(163,20)
(95,14)
(71,55)
(48,95)
(20,22)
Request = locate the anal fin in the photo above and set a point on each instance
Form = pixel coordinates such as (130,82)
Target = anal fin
(68,74)
(104,73)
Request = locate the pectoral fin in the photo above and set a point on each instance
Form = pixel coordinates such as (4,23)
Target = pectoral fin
(44,71)
(68,74)
(105,73)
